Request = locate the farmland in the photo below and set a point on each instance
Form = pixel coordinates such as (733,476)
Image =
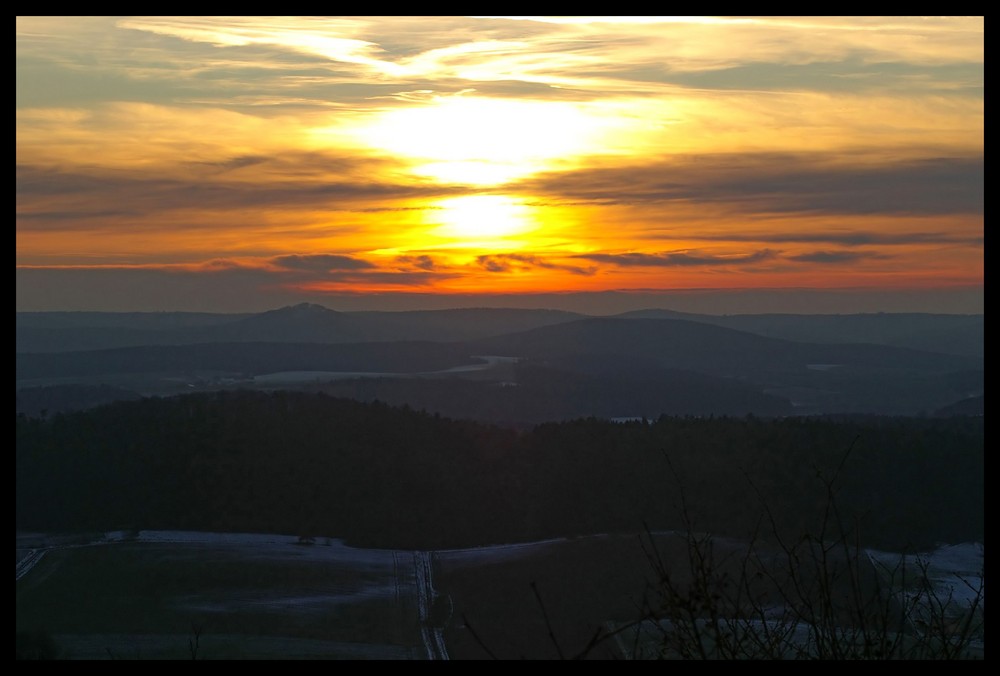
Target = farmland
(237,596)
(183,595)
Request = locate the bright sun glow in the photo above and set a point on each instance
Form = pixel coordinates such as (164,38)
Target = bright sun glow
(482,141)
(481,219)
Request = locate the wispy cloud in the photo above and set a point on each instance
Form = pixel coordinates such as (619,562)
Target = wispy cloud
(849,238)
(423,261)
(284,186)
(508,262)
(679,258)
(320,262)
(293,269)
(835,256)
(235,162)
(776,182)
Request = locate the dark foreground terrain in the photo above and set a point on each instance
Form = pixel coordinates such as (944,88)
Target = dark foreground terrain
(383,476)
(207,596)
(477,484)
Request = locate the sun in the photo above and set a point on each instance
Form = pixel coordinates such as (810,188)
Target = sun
(482,141)
(481,220)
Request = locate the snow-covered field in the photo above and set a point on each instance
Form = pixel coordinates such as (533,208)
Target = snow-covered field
(269,595)
(363,602)
(496,553)
(955,574)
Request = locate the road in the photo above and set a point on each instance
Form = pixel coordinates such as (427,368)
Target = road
(432,636)
(22,567)
(422,567)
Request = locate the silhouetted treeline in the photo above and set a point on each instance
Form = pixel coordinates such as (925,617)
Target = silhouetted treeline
(535,394)
(44,401)
(293,462)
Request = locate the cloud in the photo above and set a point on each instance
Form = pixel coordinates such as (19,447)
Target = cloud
(327,271)
(835,256)
(236,162)
(255,275)
(510,262)
(494,263)
(852,74)
(368,280)
(151,289)
(678,259)
(784,182)
(320,262)
(44,181)
(281,55)
(424,262)
(296,181)
(849,238)
(378,210)
(72,215)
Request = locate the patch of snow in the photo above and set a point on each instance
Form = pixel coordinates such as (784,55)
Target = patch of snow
(497,552)
(955,573)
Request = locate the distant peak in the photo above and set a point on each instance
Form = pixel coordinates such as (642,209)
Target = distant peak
(304,308)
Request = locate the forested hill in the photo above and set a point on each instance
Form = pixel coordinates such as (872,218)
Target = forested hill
(393,477)
(310,323)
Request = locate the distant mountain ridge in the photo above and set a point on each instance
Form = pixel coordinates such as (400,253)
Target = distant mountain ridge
(775,376)
(313,323)
(303,323)
(244,359)
(678,343)
(952,334)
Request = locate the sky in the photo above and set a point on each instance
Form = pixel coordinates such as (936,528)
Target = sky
(243,163)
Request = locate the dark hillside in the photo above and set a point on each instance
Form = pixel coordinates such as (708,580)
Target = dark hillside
(396,478)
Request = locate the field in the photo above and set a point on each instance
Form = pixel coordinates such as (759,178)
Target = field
(152,594)
(183,595)
(239,596)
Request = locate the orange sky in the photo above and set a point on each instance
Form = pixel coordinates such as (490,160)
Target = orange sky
(316,158)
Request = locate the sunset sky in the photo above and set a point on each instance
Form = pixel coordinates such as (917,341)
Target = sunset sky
(242,163)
